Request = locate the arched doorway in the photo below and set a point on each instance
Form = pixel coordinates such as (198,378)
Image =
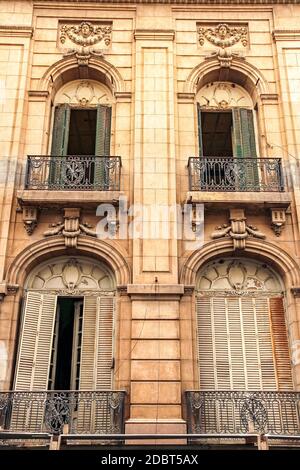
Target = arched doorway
(242,337)
(66,338)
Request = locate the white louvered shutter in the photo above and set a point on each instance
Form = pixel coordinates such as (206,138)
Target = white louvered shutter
(32,370)
(96,359)
(104,355)
(36,340)
(242,344)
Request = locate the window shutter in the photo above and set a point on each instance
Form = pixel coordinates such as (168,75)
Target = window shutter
(280,342)
(243,133)
(103,130)
(200,142)
(105,314)
(235,347)
(32,370)
(88,345)
(61,125)
(96,352)
(102,148)
(96,360)
(36,341)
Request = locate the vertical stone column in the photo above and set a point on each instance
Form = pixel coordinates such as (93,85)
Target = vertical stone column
(155,392)
(154,156)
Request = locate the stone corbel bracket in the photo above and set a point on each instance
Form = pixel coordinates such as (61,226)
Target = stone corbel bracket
(7,289)
(30,218)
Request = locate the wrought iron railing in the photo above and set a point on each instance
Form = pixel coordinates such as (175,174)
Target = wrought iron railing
(80,412)
(73,172)
(237,412)
(235,174)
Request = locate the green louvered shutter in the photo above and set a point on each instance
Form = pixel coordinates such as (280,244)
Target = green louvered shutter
(200,143)
(60,139)
(244,147)
(102,148)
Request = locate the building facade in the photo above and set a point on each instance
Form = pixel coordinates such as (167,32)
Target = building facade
(149,251)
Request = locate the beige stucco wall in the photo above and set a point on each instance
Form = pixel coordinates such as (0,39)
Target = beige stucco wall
(156,53)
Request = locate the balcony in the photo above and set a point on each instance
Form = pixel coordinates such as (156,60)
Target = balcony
(54,412)
(221,180)
(240,413)
(71,179)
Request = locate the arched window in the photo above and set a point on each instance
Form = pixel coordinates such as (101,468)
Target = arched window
(225,121)
(66,340)
(81,136)
(242,337)
(82,119)
(226,135)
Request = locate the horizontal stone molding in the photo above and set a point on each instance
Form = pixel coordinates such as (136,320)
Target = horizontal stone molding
(179,2)
(16,31)
(286,34)
(158,291)
(154,34)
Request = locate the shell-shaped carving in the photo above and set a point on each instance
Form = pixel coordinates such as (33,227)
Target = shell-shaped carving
(236,275)
(71,274)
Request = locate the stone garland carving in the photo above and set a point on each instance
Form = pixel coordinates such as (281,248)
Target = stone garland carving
(223,35)
(86,34)
(71,228)
(238,230)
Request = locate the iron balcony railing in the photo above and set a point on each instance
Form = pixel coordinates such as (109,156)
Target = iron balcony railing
(78,412)
(73,173)
(235,174)
(237,412)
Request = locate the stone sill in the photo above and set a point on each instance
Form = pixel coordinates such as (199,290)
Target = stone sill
(266,199)
(44,198)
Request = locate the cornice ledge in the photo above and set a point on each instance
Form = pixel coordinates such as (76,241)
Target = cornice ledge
(295,291)
(38,95)
(269,97)
(189,97)
(123,96)
(16,30)
(168,2)
(155,290)
(154,34)
(286,34)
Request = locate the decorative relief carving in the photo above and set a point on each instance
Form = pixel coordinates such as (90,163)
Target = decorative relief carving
(86,34)
(71,276)
(83,93)
(278,220)
(223,35)
(225,57)
(237,277)
(238,230)
(71,228)
(223,95)
(30,216)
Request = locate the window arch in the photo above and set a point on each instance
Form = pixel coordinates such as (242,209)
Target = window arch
(226,121)
(66,339)
(82,119)
(242,337)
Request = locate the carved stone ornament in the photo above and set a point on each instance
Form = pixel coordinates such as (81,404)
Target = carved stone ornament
(278,220)
(83,56)
(238,230)
(71,228)
(225,57)
(30,215)
(223,35)
(223,95)
(228,276)
(72,277)
(86,34)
